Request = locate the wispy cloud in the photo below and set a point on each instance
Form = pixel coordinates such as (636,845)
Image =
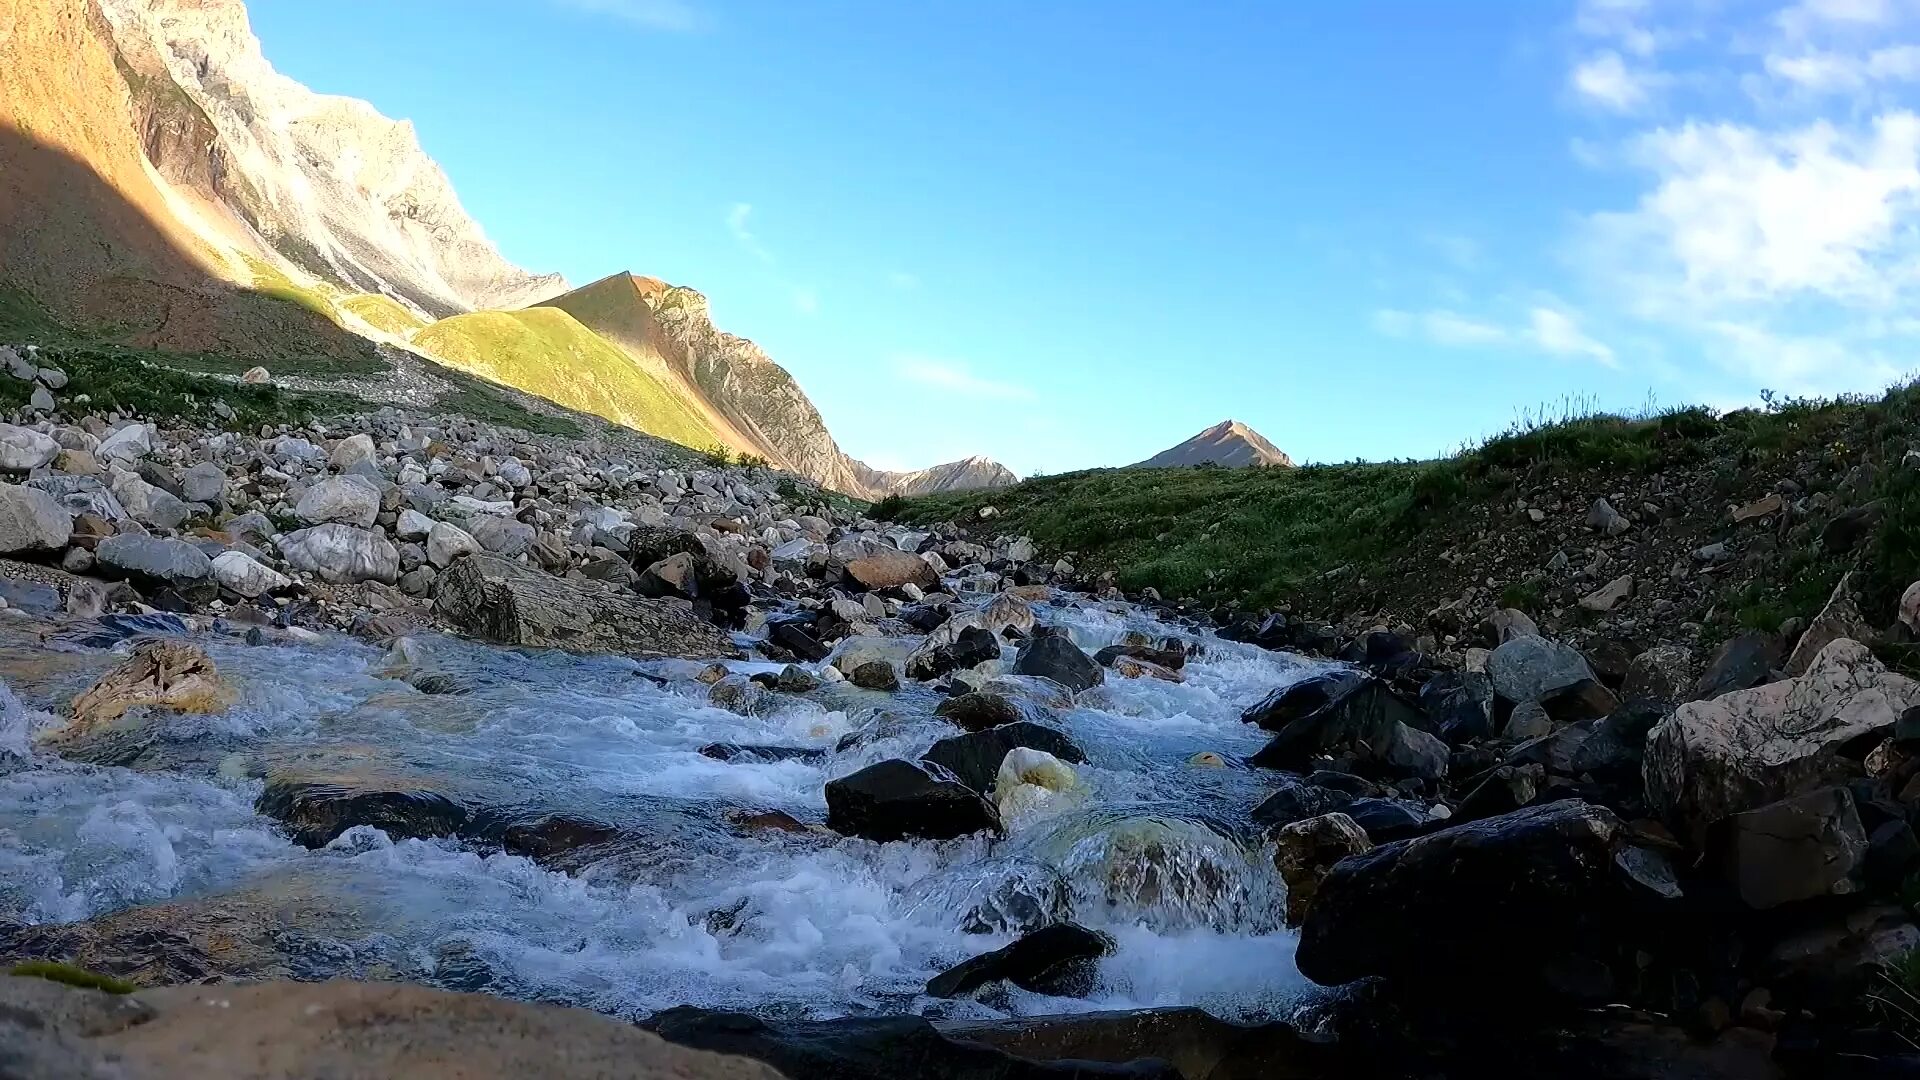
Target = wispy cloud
(1604,79)
(956,378)
(739,218)
(1545,329)
(675,15)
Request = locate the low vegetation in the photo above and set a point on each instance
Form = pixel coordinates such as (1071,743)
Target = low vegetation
(149,384)
(69,975)
(482,400)
(1264,537)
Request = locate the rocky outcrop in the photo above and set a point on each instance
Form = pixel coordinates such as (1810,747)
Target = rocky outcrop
(968,474)
(1229,444)
(1713,759)
(285,1030)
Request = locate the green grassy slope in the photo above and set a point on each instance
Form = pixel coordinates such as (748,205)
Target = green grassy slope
(547,352)
(383,313)
(1263,537)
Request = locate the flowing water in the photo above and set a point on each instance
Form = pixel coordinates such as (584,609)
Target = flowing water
(1150,846)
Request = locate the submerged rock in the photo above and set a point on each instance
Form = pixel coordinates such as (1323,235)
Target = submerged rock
(895,800)
(1059,960)
(875,1048)
(979,710)
(317,811)
(163,673)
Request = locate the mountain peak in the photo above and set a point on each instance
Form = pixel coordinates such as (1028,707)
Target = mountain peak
(1228,443)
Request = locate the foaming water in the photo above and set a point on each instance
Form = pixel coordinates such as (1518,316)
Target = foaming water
(688,908)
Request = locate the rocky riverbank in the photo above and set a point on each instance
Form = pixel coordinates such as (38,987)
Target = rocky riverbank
(1500,852)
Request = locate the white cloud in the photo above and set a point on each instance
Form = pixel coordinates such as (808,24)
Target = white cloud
(1739,214)
(1621,21)
(1809,365)
(1605,80)
(1559,333)
(1826,72)
(1546,329)
(955,378)
(676,15)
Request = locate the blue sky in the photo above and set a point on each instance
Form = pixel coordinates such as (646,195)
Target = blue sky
(1071,234)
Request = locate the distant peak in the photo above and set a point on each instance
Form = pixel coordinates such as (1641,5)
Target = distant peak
(1229,442)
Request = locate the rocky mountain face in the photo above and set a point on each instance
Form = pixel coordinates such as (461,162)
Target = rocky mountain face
(752,402)
(327,182)
(1229,443)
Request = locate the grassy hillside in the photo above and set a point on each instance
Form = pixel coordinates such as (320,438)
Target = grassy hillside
(383,313)
(1414,535)
(545,351)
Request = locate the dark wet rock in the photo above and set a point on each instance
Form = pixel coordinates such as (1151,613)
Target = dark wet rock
(1371,723)
(874,1048)
(317,812)
(1054,656)
(972,646)
(791,679)
(554,835)
(504,602)
(1171,659)
(924,617)
(440,683)
(1458,706)
(1503,790)
(1059,960)
(106,631)
(895,800)
(154,559)
(875,675)
(1893,851)
(1387,820)
(979,710)
(1296,800)
(1796,849)
(1567,879)
(1303,698)
(32,597)
(796,638)
(1198,1045)
(810,755)
(1740,663)
(975,757)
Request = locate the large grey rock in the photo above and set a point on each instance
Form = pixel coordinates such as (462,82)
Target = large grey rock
(154,557)
(503,535)
(1840,618)
(240,572)
(147,504)
(129,443)
(31,520)
(204,483)
(23,449)
(502,601)
(446,543)
(341,554)
(349,500)
(888,568)
(1713,759)
(354,450)
(1662,673)
(1796,849)
(81,495)
(1536,669)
